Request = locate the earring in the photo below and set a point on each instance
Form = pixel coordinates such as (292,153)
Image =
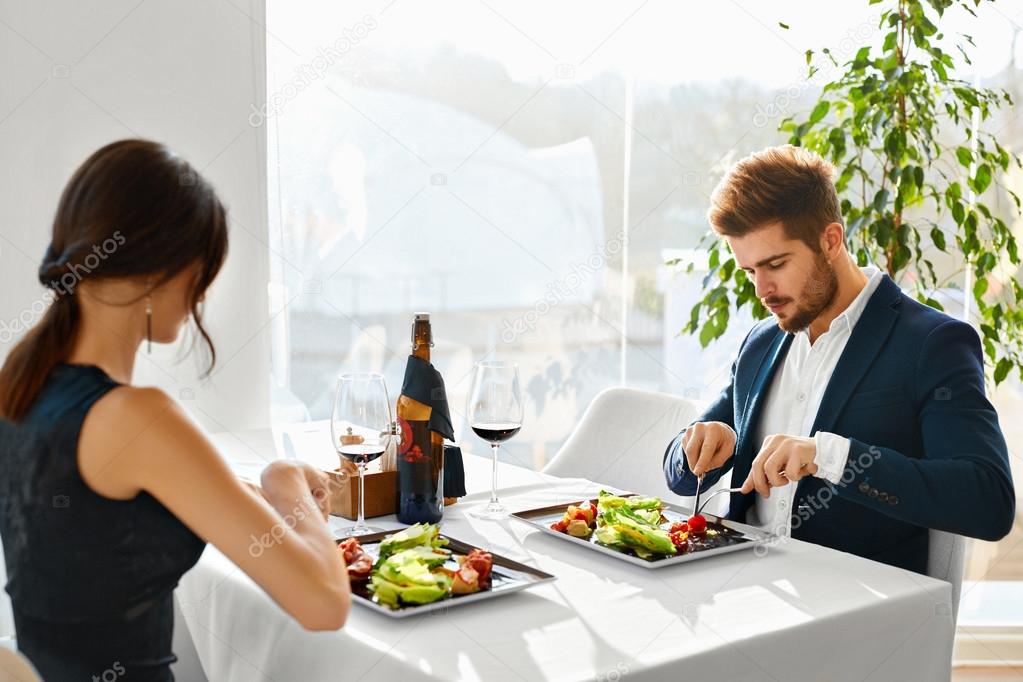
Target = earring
(149,324)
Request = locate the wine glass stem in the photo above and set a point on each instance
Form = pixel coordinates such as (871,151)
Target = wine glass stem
(362,496)
(493,475)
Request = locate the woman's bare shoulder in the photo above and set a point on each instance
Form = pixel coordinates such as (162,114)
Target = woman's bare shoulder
(125,427)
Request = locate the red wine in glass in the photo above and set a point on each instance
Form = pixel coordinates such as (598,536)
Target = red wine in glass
(361,428)
(361,453)
(495,415)
(495,432)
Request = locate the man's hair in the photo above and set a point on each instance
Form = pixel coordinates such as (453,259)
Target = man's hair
(785,183)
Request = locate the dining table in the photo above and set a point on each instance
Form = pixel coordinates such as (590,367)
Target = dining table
(787,610)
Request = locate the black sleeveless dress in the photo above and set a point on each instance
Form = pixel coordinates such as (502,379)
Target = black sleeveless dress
(91,579)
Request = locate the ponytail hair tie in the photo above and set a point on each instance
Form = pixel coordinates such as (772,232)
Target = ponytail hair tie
(51,261)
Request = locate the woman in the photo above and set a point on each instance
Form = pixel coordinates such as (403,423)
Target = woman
(109,492)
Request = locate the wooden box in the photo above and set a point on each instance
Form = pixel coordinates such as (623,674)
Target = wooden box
(381,493)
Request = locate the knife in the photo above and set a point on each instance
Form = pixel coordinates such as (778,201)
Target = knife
(696,503)
(289,447)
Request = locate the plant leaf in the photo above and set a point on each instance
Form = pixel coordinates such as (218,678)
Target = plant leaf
(1002,370)
(965,156)
(982,180)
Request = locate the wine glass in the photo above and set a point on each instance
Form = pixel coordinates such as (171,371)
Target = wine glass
(495,414)
(360,427)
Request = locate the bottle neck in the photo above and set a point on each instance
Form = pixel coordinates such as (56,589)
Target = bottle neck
(422,337)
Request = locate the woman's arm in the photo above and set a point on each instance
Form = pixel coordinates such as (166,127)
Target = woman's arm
(254,487)
(136,439)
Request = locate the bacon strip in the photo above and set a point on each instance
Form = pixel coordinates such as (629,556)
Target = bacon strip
(359,563)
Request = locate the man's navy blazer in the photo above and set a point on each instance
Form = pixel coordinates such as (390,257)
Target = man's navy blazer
(926,448)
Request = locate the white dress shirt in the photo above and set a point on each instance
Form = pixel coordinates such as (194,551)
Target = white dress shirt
(793,399)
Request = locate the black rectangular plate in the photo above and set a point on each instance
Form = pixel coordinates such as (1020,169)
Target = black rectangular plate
(746,537)
(507,576)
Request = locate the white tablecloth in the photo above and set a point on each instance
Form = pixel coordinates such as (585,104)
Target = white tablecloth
(799,612)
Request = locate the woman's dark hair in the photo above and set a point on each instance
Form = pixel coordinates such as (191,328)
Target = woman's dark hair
(133,209)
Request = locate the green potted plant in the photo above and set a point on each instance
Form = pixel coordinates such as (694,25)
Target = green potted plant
(914,171)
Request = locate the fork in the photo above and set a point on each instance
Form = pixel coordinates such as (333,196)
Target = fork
(697,506)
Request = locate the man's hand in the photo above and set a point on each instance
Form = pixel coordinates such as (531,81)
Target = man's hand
(708,445)
(781,459)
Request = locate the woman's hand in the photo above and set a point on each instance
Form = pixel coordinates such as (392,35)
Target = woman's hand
(281,478)
(319,487)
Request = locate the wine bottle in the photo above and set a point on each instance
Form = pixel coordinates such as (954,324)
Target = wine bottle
(420,449)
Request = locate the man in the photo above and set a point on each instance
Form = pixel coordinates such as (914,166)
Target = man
(856,414)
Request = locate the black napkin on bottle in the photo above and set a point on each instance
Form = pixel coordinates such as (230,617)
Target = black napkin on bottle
(424,384)
(454,473)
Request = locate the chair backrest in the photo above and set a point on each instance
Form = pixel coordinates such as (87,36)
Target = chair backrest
(6,615)
(14,667)
(621,439)
(188,666)
(945,556)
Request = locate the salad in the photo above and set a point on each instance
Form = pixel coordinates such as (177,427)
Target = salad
(413,566)
(636,524)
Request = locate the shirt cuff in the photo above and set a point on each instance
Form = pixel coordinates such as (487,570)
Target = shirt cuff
(831,456)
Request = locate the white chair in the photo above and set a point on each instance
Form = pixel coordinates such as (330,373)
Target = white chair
(7,640)
(621,439)
(188,666)
(945,558)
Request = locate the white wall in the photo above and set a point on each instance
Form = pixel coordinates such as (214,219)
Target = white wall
(76,75)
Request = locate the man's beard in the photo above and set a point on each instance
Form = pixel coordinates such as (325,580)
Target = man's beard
(818,293)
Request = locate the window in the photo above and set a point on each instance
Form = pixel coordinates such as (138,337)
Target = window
(522,172)
(482,170)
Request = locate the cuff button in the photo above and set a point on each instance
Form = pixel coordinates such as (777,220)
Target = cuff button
(893,500)
(864,487)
